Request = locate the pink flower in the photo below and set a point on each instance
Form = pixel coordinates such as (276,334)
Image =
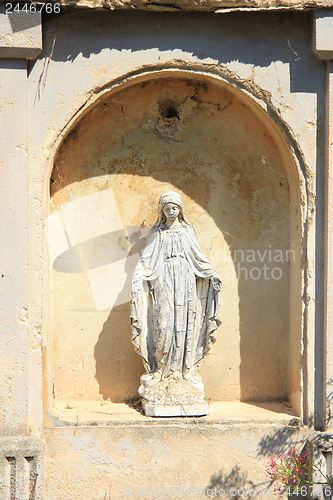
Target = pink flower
(287,469)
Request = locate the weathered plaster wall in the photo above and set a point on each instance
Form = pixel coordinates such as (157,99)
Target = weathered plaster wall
(20,34)
(165,460)
(270,55)
(218,6)
(14,260)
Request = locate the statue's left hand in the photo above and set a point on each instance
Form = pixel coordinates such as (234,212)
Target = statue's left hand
(216,282)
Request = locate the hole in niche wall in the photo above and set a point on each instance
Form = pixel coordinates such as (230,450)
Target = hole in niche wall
(169,112)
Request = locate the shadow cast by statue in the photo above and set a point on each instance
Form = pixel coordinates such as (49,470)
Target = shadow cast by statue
(113,354)
(114,351)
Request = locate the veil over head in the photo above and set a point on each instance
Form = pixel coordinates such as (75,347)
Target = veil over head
(170,197)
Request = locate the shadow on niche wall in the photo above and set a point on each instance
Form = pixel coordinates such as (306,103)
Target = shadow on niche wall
(113,354)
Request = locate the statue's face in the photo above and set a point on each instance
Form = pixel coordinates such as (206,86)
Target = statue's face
(171,211)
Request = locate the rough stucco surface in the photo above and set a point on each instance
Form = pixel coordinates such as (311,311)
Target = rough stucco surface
(20,35)
(329,391)
(194,5)
(14,251)
(270,55)
(165,460)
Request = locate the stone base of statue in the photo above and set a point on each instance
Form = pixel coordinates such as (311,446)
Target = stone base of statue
(172,396)
(173,410)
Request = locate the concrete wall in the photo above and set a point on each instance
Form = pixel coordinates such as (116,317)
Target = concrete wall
(78,140)
(14,249)
(165,460)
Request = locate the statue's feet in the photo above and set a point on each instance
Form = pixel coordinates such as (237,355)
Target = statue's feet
(157,375)
(177,375)
(192,373)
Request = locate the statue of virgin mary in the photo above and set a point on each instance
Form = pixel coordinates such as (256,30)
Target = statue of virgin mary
(174,306)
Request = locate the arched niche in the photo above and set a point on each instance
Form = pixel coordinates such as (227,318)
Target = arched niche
(240,185)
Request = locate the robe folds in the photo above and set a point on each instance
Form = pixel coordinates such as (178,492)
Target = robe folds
(174,307)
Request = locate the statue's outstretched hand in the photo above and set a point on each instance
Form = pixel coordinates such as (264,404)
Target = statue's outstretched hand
(216,282)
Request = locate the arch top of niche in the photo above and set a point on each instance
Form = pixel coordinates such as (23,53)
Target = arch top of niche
(277,139)
(247,91)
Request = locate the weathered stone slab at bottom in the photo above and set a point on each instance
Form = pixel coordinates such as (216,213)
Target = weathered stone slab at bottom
(155,410)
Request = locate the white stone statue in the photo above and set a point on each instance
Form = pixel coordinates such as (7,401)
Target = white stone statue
(174,313)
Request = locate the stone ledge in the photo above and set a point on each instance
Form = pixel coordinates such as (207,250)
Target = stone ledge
(24,445)
(20,34)
(190,410)
(323,34)
(220,412)
(218,6)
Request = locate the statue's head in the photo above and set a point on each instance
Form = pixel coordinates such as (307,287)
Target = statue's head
(170,197)
(167,200)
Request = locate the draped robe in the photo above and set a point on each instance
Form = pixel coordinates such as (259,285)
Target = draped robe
(174,307)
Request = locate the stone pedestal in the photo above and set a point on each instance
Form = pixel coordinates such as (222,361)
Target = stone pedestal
(172,396)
